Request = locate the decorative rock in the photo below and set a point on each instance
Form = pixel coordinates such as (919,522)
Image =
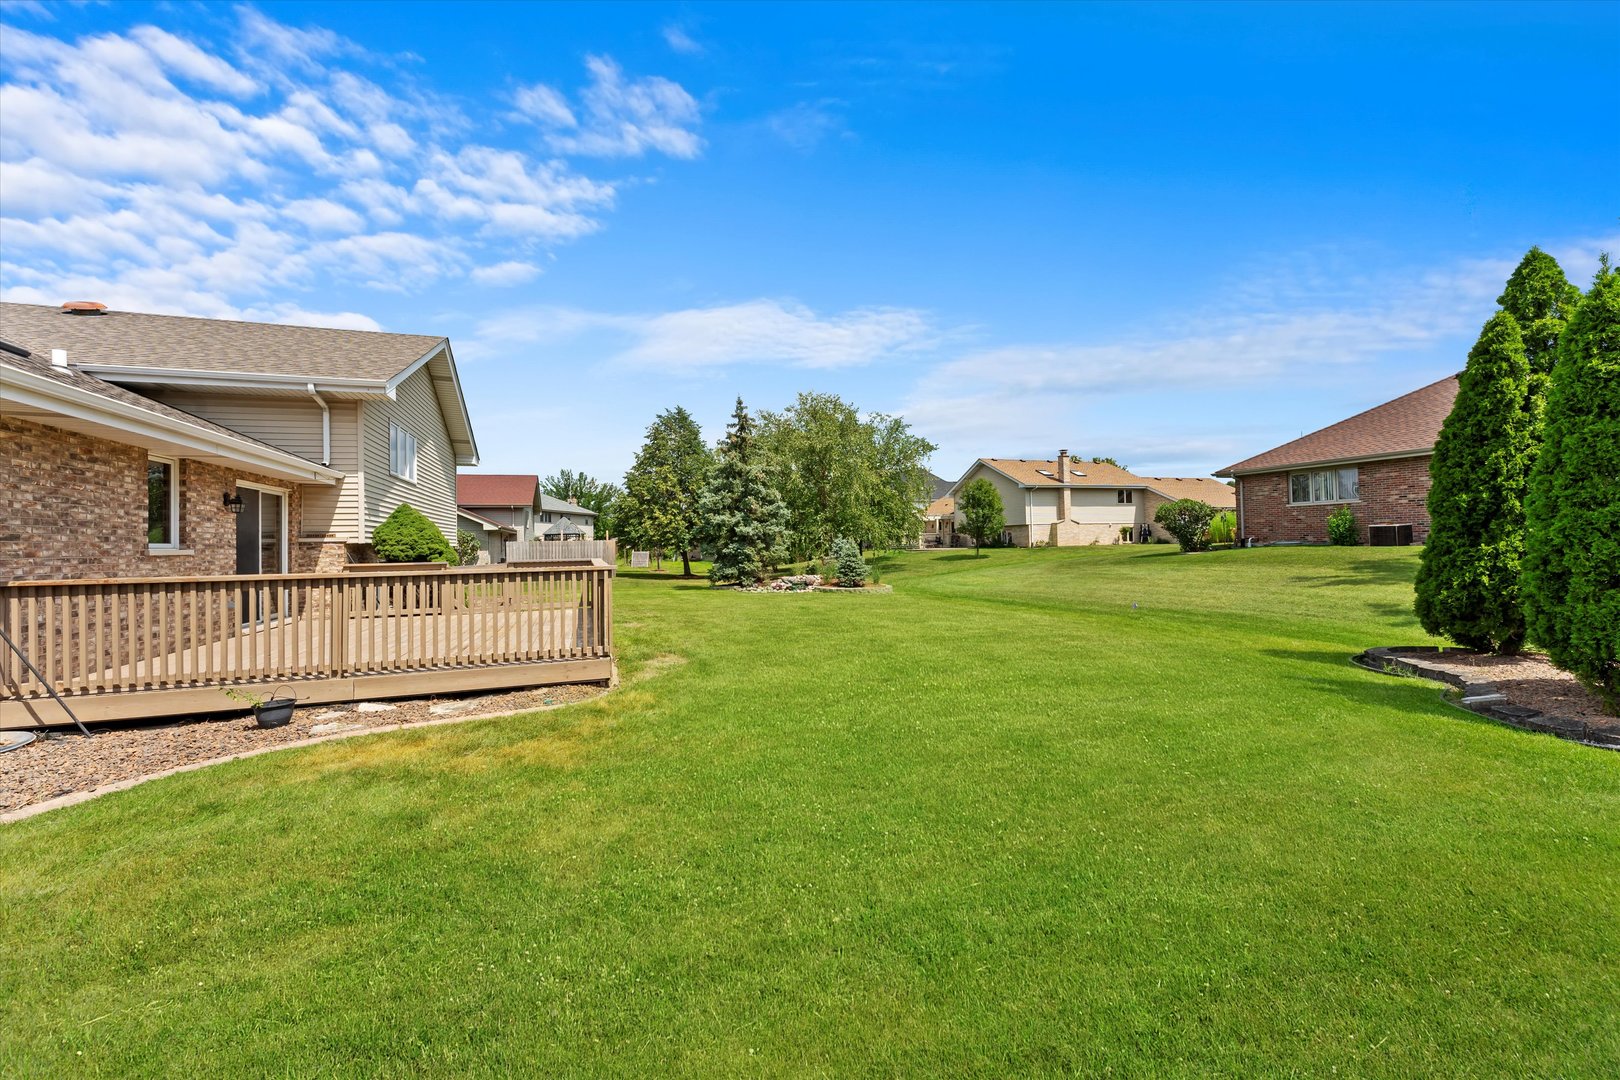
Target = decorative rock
(334,728)
(375,706)
(449,708)
(329,714)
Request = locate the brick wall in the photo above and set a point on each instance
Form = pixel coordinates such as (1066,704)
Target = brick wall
(1392,493)
(74,506)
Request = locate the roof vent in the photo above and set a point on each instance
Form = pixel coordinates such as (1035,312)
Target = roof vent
(59,358)
(84,307)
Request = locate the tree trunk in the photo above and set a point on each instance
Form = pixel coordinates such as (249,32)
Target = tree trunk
(686,562)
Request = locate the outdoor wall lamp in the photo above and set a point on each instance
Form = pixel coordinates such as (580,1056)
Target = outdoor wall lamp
(234,503)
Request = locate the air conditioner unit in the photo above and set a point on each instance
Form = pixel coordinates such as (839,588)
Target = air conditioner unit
(1389,535)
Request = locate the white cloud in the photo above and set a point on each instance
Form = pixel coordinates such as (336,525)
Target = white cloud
(618,117)
(505,274)
(763,331)
(157,171)
(680,41)
(804,126)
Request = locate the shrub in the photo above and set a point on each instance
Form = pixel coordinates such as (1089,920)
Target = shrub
(408,536)
(1468,575)
(1188,521)
(1572,557)
(983,516)
(1223,527)
(851,567)
(467,547)
(1342,528)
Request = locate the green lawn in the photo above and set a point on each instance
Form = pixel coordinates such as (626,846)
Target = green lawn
(1109,810)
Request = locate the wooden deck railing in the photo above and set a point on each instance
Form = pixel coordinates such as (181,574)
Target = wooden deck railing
(544,551)
(140,634)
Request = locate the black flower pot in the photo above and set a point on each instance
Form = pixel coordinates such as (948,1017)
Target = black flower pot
(274,713)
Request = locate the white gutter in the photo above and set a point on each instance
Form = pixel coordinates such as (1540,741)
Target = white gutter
(326,426)
(232,379)
(29,390)
(1394,455)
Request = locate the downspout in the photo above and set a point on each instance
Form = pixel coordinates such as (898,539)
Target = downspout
(326,427)
(1242,532)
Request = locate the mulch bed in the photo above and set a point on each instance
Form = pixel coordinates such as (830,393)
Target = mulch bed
(1526,690)
(60,763)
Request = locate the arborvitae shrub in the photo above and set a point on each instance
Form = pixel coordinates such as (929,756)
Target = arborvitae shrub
(1572,561)
(408,536)
(1468,576)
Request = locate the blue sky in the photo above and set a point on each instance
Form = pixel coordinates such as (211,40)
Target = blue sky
(1177,235)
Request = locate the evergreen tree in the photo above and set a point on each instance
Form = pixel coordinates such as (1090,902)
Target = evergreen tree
(1468,579)
(664,514)
(1541,300)
(743,516)
(983,516)
(1572,561)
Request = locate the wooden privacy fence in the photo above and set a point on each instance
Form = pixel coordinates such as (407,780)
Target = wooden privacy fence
(95,639)
(547,551)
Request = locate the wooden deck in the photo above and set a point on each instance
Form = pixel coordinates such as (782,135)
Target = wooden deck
(146,647)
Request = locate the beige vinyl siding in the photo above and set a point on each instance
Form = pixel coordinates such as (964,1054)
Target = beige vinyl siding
(1012,496)
(294,425)
(415,409)
(1102,506)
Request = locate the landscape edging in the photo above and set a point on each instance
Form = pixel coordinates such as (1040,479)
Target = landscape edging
(1382,659)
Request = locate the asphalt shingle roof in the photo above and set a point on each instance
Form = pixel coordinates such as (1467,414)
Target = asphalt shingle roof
(1408,425)
(184,343)
(496,489)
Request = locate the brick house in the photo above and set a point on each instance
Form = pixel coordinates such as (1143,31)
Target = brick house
(141,445)
(1069,502)
(1376,462)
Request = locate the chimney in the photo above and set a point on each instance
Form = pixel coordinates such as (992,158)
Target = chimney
(59,358)
(1065,479)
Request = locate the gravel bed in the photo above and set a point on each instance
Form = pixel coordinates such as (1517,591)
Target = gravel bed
(1527,680)
(59,763)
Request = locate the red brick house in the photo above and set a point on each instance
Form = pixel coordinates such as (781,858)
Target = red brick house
(1376,462)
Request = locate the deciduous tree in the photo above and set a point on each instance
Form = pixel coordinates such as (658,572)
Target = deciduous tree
(983,516)
(666,507)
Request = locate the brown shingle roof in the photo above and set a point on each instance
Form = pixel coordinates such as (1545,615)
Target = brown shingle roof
(944,506)
(1205,489)
(1081,473)
(183,343)
(496,489)
(1408,425)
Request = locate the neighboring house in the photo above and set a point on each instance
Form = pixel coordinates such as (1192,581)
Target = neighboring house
(492,535)
(565,519)
(515,499)
(127,438)
(1376,462)
(939,522)
(1069,502)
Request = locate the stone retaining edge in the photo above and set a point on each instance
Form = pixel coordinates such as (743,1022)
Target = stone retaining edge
(1383,659)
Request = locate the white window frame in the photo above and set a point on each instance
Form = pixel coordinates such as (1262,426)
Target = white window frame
(1321,480)
(402,453)
(174,503)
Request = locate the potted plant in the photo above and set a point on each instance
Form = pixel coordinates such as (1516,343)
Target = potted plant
(268,711)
